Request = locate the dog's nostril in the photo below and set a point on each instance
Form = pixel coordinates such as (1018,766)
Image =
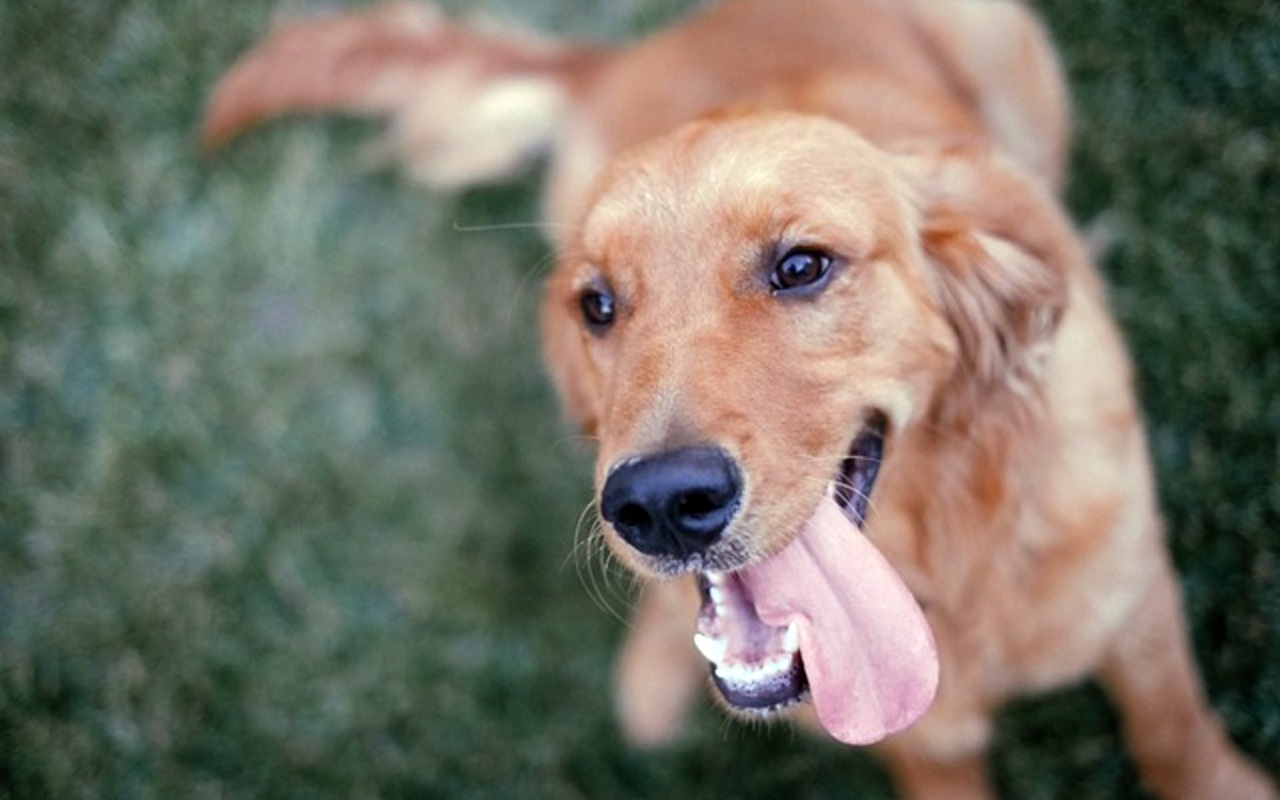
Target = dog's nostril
(632,515)
(697,505)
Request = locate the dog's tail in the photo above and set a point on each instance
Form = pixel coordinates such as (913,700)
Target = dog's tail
(466,104)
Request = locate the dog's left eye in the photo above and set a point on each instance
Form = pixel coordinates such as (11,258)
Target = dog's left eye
(799,269)
(597,308)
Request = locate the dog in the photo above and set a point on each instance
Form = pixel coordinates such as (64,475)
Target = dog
(863,420)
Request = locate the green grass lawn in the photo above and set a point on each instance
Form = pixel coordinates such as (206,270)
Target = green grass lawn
(286,507)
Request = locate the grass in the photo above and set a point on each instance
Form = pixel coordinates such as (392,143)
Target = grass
(286,509)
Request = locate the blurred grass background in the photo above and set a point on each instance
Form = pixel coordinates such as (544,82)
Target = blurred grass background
(286,509)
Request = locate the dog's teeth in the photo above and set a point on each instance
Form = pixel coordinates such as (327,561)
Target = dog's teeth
(717,595)
(791,638)
(714,578)
(738,672)
(777,664)
(712,650)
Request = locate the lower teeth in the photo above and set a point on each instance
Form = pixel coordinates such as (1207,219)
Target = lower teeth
(755,673)
(714,649)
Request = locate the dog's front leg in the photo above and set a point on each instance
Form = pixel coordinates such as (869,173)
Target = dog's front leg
(1177,740)
(659,672)
(944,756)
(919,777)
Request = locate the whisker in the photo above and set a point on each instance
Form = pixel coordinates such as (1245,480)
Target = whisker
(593,562)
(490,227)
(842,484)
(540,267)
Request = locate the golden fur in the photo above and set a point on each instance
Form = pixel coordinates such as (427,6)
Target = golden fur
(920,142)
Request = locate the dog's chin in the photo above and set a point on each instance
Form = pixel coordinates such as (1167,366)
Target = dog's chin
(757,668)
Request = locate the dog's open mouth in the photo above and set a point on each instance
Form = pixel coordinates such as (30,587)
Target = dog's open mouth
(826,617)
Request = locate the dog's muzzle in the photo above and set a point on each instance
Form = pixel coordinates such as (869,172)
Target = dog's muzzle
(825,617)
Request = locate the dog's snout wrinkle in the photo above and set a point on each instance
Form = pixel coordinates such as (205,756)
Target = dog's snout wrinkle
(675,503)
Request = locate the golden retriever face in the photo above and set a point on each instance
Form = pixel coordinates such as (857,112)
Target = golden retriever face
(756,287)
(753,308)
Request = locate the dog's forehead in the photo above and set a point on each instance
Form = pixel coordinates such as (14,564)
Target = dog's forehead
(718,180)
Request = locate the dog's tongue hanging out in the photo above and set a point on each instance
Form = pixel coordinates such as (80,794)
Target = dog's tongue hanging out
(868,653)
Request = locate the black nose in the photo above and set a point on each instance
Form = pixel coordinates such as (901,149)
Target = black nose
(674,503)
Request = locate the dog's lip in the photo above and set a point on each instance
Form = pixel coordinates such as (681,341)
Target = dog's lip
(860,468)
(757,668)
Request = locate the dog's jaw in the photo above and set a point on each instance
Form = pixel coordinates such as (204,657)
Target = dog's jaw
(825,617)
(755,667)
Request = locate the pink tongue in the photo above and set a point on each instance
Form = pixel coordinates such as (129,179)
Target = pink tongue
(868,653)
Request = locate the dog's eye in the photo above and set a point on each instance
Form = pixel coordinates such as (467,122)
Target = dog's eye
(597,308)
(800,268)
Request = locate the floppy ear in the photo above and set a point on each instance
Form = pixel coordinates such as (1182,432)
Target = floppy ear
(566,357)
(999,251)
(1002,302)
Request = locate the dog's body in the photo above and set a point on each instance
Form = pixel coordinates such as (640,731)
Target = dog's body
(787,226)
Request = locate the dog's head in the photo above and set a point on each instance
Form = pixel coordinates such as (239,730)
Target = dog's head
(753,308)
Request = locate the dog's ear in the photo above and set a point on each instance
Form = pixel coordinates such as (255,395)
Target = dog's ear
(1002,301)
(998,252)
(566,357)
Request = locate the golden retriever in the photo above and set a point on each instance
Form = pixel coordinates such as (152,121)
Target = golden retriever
(861,412)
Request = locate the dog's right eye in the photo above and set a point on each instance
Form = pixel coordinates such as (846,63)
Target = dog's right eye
(799,270)
(597,308)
